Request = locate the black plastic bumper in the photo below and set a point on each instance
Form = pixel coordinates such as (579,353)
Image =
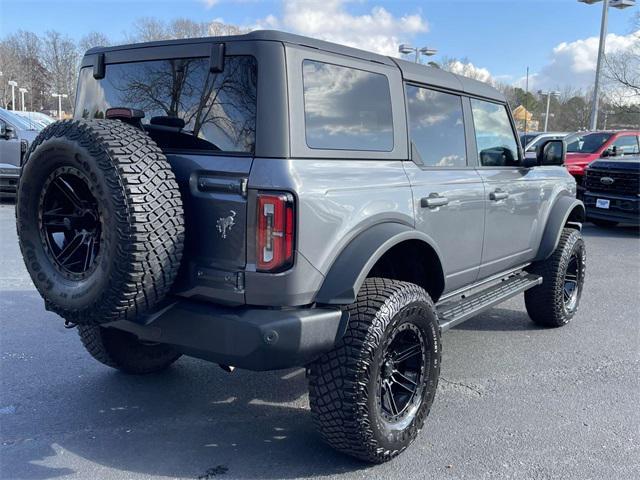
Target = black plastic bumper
(9,178)
(249,338)
(622,208)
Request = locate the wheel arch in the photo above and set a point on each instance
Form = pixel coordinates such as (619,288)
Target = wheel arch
(392,250)
(566,212)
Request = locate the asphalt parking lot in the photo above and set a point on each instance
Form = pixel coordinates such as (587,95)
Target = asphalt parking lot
(515,401)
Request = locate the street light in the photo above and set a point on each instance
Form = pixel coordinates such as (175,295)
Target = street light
(23,90)
(548,94)
(13,84)
(406,49)
(620,4)
(60,97)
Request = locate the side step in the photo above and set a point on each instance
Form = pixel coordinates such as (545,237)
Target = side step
(455,311)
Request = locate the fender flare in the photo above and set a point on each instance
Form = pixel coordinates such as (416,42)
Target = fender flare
(559,216)
(353,264)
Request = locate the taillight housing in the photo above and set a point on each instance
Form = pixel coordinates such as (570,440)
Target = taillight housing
(275,231)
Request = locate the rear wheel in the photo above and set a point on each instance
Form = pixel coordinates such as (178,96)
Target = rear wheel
(555,302)
(371,394)
(100,220)
(123,351)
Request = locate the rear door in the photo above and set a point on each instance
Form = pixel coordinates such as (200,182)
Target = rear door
(448,191)
(515,196)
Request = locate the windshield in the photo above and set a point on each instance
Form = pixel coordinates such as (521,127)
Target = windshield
(586,143)
(17,121)
(185,105)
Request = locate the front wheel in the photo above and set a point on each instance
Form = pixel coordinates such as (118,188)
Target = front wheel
(370,395)
(555,302)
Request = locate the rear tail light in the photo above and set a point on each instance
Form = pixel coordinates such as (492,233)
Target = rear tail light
(275,232)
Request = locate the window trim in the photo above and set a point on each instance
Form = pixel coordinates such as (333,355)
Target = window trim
(469,160)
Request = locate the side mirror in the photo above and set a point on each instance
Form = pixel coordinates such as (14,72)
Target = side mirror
(609,152)
(3,130)
(551,152)
(529,161)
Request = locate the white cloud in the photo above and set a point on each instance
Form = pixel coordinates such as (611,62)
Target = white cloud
(470,70)
(377,31)
(574,63)
(209,3)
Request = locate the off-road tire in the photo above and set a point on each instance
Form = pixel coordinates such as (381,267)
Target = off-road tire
(545,303)
(123,351)
(139,209)
(342,382)
(603,223)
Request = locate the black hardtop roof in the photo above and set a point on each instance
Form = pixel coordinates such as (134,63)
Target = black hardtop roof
(410,71)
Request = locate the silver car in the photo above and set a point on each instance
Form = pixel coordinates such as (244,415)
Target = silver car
(16,135)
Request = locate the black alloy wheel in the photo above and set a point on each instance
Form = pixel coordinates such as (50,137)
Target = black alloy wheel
(402,373)
(70,223)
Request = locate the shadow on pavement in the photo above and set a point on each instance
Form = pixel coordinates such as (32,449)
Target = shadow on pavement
(193,420)
(590,230)
(500,319)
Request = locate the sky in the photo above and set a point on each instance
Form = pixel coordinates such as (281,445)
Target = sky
(556,39)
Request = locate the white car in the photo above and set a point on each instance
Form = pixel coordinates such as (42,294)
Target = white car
(530,147)
(39,120)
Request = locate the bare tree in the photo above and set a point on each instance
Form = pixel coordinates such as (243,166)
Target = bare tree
(60,57)
(20,55)
(91,40)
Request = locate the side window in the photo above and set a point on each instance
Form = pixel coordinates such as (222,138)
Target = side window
(436,127)
(497,146)
(626,145)
(346,108)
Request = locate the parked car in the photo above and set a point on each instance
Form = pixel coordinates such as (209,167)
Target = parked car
(41,120)
(612,191)
(586,147)
(525,138)
(15,137)
(301,203)
(533,143)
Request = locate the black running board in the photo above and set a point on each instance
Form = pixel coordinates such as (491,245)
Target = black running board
(455,311)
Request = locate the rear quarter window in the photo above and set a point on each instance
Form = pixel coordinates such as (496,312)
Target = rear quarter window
(346,108)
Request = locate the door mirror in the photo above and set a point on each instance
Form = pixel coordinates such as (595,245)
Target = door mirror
(551,152)
(3,130)
(609,152)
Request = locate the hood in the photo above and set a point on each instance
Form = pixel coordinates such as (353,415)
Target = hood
(28,135)
(627,163)
(580,157)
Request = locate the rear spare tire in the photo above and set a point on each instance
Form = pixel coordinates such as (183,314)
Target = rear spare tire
(100,220)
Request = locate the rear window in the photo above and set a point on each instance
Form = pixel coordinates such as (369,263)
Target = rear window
(185,105)
(346,108)
(589,143)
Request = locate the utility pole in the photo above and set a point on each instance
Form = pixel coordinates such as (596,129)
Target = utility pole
(548,94)
(22,91)
(13,84)
(60,97)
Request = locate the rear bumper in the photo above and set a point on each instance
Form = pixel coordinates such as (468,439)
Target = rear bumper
(622,208)
(9,179)
(249,338)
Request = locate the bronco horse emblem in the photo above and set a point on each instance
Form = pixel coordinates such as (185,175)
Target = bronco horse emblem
(225,223)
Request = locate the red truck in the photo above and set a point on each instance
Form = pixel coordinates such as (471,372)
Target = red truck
(586,147)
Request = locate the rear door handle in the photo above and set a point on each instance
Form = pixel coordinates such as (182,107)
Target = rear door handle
(498,195)
(434,200)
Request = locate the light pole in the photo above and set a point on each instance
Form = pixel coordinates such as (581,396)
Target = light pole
(13,84)
(60,97)
(548,94)
(406,49)
(22,91)
(620,4)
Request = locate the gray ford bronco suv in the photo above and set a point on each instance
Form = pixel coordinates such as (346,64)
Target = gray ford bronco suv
(268,201)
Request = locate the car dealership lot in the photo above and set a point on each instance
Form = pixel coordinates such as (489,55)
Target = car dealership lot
(515,400)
